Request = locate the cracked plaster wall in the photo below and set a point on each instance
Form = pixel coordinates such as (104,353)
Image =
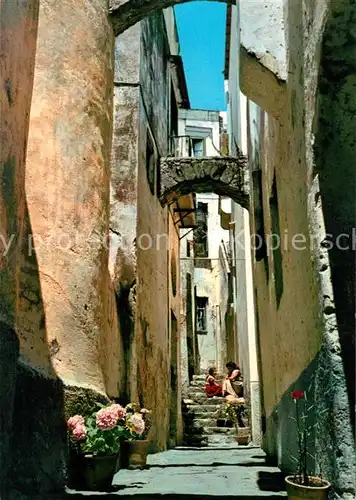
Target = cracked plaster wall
(303,338)
(137,219)
(68,148)
(18,27)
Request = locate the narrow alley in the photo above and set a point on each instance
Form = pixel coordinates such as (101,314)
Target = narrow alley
(177,249)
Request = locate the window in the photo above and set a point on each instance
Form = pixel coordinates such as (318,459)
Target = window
(259,236)
(230,285)
(201,314)
(201,231)
(196,137)
(198,148)
(150,163)
(174,274)
(260,243)
(277,254)
(188,248)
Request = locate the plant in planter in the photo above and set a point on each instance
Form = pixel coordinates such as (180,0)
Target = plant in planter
(135,445)
(235,413)
(225,418)
(95,446)
(302,484)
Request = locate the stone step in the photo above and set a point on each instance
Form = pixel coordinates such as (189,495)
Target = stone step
(221,440)
(202,376)
(203,408)
(196,391)
(218,430)
(207,431)
(197,383)
(200,417)
(202,422)
(198,441)
(197,412)
(199,377)
(201,399)
(201,383)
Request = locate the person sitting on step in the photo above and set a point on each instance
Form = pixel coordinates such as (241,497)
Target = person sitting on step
(232,387)
(212,387)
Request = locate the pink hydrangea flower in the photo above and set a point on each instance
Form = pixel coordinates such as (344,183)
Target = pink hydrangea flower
(74,421)
(106,419)
(79,432)
(118,410)
(138,423)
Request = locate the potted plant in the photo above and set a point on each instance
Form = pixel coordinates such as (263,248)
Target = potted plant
(235,413)
(302,485)
(95,446)
(225,418)
(135,444)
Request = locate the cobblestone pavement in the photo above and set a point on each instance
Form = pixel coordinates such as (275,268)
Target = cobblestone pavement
(198,474)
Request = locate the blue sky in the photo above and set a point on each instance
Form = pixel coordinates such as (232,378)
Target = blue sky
(201,28)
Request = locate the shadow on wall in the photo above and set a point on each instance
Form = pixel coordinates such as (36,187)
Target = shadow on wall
(38,438)
(125,304)
(31,405)
(335,163)
(331,449)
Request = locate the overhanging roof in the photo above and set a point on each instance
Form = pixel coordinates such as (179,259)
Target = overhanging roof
(184,211)
(227,42)
(179,82)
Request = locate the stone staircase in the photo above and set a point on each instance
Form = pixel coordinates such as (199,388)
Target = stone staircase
(200,414)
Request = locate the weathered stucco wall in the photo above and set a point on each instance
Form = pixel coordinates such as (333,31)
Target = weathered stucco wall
(300,339)
(335,160)
(123,188)
(244,308)
(286,346)
(66,318)
(69,147)
(207,280)
(123,192)
(18,28)
(187,311)
(226,344)
(153,375)
(174,355)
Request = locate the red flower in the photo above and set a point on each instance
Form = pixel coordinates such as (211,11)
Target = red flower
(297,394)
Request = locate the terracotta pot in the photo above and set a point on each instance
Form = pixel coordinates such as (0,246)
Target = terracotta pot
(243,440)
(134,454)
(92,472)
(300,492)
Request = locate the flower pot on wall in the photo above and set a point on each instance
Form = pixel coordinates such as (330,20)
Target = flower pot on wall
(134,454)
(92,472)
(318,489)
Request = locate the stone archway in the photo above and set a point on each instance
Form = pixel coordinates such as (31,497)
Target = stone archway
(127,13)
(224,175)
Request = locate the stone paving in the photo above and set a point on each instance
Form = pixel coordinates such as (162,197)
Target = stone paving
(198,474)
